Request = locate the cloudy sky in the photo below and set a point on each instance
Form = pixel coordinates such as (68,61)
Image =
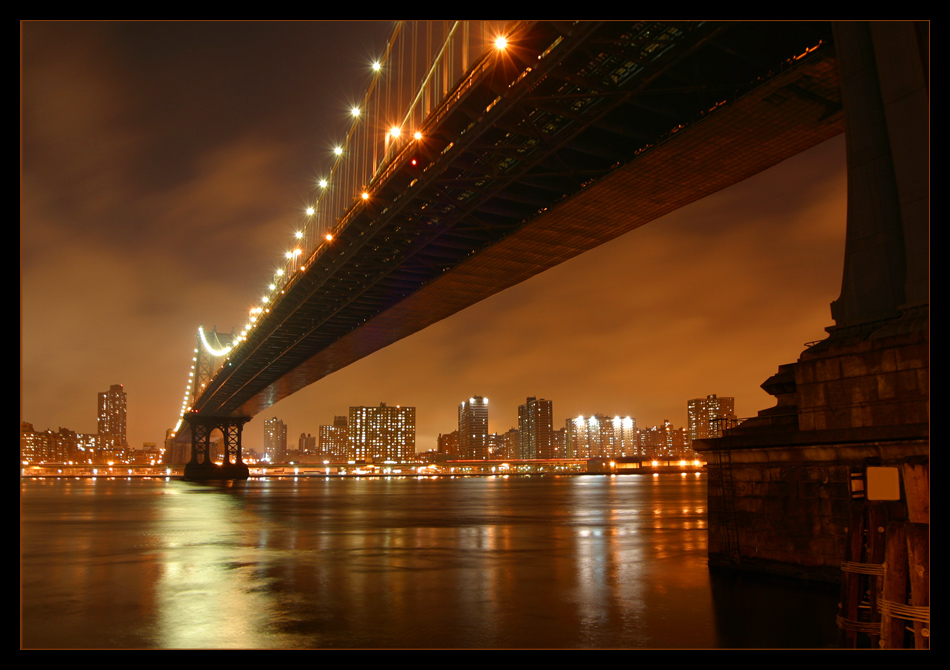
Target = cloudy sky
(164,165)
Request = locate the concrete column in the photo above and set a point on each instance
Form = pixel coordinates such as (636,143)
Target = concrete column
(886,101)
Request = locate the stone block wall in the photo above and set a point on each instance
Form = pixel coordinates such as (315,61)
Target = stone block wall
(875,382)
(785,510)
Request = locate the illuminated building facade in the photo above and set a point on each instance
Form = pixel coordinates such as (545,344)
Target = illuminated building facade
(708,416)
(535,423)
(600,436)
(275,440)
(473,428)
(382,433)
(334,440)
(511,444)
(665,442)
(66,446)
(112,417)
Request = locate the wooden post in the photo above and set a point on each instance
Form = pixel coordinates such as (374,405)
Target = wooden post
(895,586)
(849,607)
(877,523)
(918,564)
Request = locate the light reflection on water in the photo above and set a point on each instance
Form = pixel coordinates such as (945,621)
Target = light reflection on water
(592,561)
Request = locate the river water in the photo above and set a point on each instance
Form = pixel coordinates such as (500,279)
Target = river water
(536,562)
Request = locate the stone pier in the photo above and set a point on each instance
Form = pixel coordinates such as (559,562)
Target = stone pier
(782,486)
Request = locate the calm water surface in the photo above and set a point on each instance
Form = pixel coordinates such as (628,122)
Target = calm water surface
(591,561)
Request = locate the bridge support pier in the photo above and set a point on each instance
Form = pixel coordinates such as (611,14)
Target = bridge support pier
(786,486)
(202,465)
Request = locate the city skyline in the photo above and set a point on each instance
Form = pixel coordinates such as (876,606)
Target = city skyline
(178,168)
(472,416)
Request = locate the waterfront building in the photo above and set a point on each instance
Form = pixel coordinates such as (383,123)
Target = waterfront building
(473,428)
(307,443)
(511,443)
(592,437)
(112,417)
(535,423)
(448,443)
(600,436)
(65,446)
(708,416)
(558,443)
(335,439)
(665,442)
(382,433)
(275,440)
(495,446)
(36,446)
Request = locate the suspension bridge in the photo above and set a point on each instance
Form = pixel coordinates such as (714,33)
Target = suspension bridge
(485,153)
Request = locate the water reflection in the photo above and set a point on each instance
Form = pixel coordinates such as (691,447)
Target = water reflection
(483,562)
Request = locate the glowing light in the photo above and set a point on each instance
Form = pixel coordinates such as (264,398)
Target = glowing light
(310,211)
(208,347)
(323,183)
(338,151)
(328,236)
(417,135)
(501,42)
(355,111)
(377,66)
(280,272)
(365,195)
(394,131)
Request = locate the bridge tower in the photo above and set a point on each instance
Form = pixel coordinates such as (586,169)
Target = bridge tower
(209,352)
(782,484)
(190,442)
(201,465)
(210,348)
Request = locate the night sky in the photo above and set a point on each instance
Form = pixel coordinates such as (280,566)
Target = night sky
(165,166)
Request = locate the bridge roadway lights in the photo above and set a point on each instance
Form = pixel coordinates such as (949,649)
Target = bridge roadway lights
(201,466)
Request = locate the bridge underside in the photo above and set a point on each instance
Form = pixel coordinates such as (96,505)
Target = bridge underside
(613,126)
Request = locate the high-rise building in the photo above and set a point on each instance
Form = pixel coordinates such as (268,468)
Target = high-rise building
(512,444)
(600,436)
(664,442)
(334,440)
(708,416)
(112,417)
(535,422)
(275,440)
(473,428)
(307,443)
(382,433)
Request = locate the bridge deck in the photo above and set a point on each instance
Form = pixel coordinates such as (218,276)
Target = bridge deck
(594,130)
